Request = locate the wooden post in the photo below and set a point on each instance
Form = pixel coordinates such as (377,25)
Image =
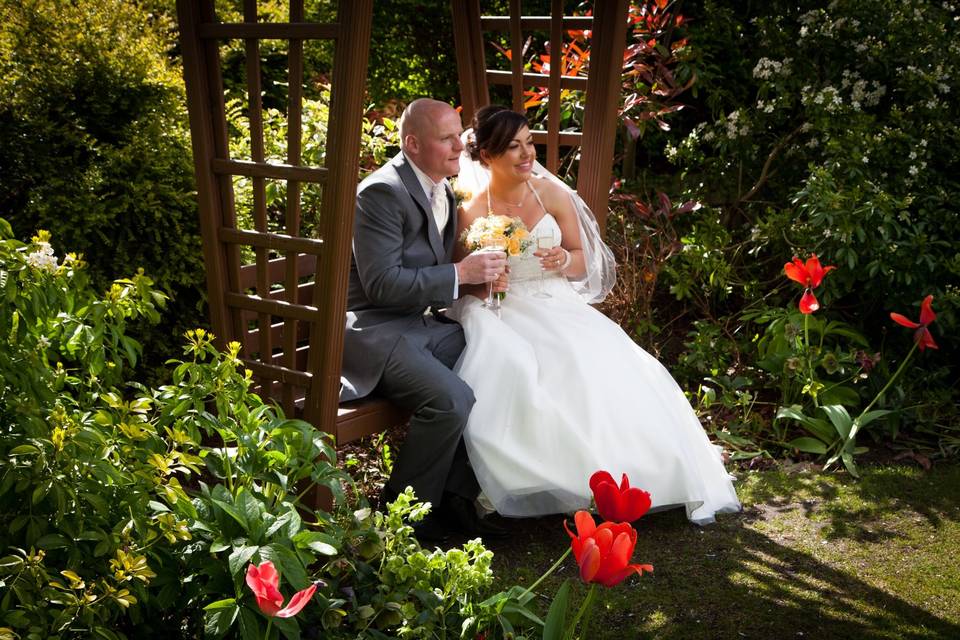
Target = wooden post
(336,216)
(603,94)
(196,64)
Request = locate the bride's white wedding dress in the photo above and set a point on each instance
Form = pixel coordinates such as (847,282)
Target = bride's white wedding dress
(562,392)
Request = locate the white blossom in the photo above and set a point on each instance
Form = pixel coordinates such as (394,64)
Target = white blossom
(43,258)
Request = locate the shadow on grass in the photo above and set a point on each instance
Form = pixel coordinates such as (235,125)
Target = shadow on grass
(863,510)
(742,578)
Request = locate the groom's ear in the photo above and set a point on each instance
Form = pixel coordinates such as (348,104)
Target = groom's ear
(411,144)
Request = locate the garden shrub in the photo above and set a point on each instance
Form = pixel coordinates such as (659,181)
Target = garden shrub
(135,512)
(96,149)
(834,132)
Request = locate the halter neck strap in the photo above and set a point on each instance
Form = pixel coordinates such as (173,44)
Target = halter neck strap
(535,194)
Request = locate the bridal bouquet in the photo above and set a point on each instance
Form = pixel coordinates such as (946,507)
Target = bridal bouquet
(502,233)
(487,230)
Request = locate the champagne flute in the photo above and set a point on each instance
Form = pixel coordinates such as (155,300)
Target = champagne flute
(490,245)
(545,240)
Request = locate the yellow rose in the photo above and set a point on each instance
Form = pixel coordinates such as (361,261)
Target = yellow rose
(513,246)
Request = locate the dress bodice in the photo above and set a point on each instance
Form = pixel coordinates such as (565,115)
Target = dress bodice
(526,266)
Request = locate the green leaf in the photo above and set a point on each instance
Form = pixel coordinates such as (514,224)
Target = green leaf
(233,512)
(291,518)
(840,418)
(317,542)
(53,541)
(808,445)
(240,557)
(847,457)
(250,625)
(226,603)
(840,395)
(817,426)
(216,623)
(556,621)
(24,449)
(870,416)
(251,507)
(219,545)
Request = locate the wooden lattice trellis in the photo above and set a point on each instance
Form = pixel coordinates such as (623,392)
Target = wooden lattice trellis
(287,307)
(608,25)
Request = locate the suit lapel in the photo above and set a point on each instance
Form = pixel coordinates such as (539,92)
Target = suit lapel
(415,190)
(450,231)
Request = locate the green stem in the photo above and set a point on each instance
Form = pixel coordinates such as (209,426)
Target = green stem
(549,571)
(810,377)
(889,382)
(269,628)
(227,469)
(583,609)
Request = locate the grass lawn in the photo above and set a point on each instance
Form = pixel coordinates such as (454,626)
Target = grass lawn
(810,556)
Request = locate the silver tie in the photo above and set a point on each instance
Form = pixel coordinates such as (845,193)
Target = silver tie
(438,204)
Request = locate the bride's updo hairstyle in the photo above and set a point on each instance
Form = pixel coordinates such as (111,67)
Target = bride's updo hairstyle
(493,129)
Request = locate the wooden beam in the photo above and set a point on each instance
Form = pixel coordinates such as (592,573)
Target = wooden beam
(337,211)
(534,23)
(536,80)
(600,121)
(273,170)
(279,308)
(267,240)
(268,31)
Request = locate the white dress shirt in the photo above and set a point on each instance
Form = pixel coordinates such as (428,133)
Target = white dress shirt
(436,193)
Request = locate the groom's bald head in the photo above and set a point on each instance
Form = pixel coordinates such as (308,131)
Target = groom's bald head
(430,137)
(419,117)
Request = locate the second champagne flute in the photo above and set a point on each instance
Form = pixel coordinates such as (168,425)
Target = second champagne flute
(545,240)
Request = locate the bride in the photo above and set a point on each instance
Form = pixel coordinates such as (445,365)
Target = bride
(561,391)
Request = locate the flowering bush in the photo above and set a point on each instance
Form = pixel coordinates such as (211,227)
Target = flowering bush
(833,133)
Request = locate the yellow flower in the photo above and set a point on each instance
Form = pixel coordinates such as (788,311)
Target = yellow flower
(513,246)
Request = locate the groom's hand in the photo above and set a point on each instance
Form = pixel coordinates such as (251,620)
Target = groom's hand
(481,267)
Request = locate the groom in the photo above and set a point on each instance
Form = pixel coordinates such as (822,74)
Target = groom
(397,343)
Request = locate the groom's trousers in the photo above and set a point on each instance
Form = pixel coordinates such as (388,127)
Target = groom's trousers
(418,377)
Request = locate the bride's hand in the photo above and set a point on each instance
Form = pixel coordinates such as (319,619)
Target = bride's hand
(554,259)
(502,283)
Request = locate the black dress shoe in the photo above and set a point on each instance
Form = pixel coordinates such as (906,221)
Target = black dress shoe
(432,529)
(462,517)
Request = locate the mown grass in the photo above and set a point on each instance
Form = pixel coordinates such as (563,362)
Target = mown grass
(811,556)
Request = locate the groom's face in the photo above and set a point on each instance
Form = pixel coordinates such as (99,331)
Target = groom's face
(439,146)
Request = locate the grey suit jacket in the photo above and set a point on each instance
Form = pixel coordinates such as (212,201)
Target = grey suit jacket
(401,266)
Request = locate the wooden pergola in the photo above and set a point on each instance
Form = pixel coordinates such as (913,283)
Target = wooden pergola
(287,307)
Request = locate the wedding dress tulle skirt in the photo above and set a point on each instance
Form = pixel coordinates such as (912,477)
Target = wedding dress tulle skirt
(561,392)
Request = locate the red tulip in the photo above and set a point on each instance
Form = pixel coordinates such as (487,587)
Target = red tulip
(810,275)
(922,337)
(603,553)
(264,580)
(618,504)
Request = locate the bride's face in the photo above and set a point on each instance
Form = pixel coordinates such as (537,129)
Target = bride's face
(517,161)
